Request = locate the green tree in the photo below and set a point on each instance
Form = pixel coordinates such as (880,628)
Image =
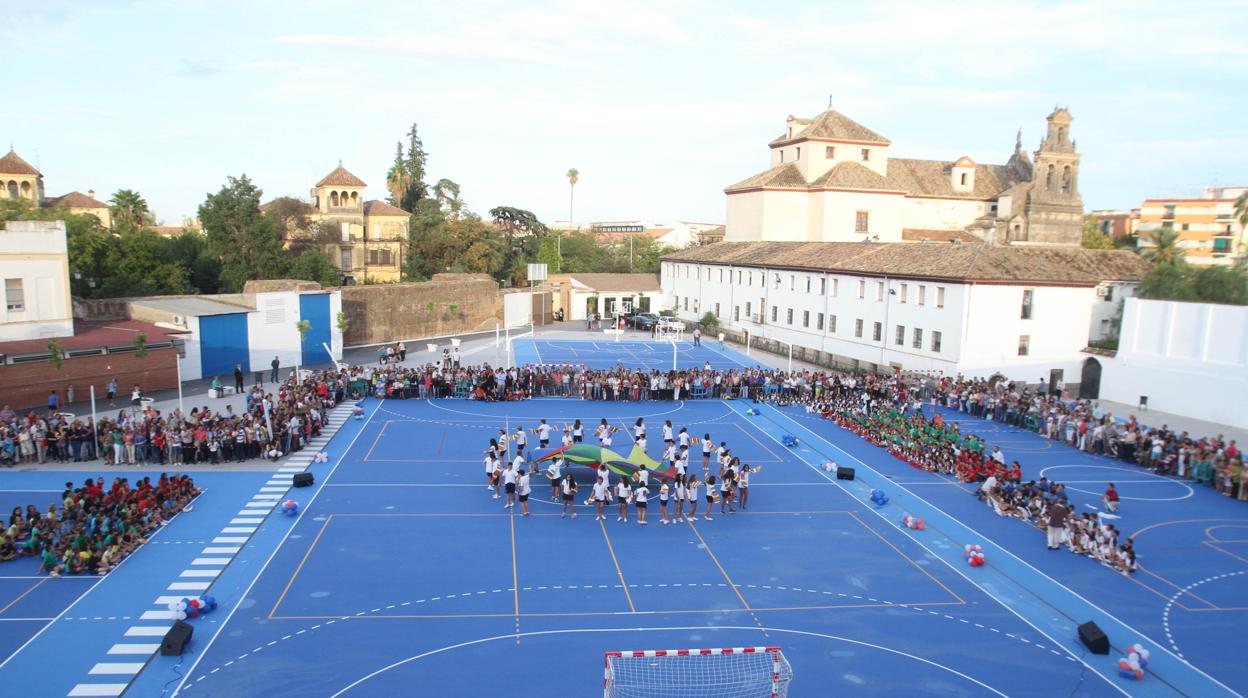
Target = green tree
(446,193)
(548,253)
(1093,238)
(129,210)
(397,179)
(290,217)
(414,169)
(313,265)
(1165,247)
(1166,281)
(1241,210)
(521,231)
(1218,284)
(240,236)
(142,263)
(190,249)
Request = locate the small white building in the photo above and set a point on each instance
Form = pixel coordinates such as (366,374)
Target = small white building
(34,264)
(974,309)
(605,294)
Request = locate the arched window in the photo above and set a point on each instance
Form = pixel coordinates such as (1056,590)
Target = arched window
(355,197)
(1048,177)
(1061,134)
(26,190)
(333,198)
(1066,179)
(12,190)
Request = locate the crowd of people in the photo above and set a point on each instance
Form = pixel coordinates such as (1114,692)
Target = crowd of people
(675,488)
(95,527)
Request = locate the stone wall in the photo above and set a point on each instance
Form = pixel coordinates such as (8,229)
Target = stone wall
(27,385)
(447,304)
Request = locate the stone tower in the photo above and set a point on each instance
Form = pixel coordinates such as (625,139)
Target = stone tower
(1054,209)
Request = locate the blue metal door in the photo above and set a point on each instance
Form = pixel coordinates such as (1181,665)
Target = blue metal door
(314,307)
(222,344)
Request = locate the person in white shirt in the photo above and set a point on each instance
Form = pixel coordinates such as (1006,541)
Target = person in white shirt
(667,431)
(523,486)
(640,496)
(639,429)
(710,496)
(691,495)
(521,439)
(683,437)
(669,455)
(607,437)
(664,492)
(743,484)
(566,439)
(682,461)
(727,485)
(543,434)
(569,496)
(623,493)
(678,490)
(555,473)
(578,432)
(601,491)
(509,483)
(708,447)
(643,476)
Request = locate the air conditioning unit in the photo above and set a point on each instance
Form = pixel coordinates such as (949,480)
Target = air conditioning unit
(178,320)
(1102,291)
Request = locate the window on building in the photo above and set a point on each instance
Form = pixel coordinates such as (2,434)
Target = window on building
(1186,226)
(862,288)
(866,154)
(792,282)
(799,153)
(877,332)
(823,286)
(1220,246)
(717,310)
(836,287)
(686,306)
(829,152)
(922,295)
(379,258)
(376,231)
(963,179)
(936,341)
(862,222)
(344,260)
(918,339)
(1109,293)
(805,318)
(721,276)
(747,309)
(819,322)
(858,328)
(14,295)
(902,294)
(1024,345)
(736,313)
(776,281)
(789,316)
(899,337)
(832,324)
(775,313)
(940,296)
(345,228)
(879,290)
(781,156)
(1026,310)
(808,284)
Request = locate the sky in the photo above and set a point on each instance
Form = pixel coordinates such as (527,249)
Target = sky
(659,105)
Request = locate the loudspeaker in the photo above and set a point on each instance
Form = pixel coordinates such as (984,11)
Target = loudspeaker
(176,639)
(843,473)
(1091,635)
(302,480)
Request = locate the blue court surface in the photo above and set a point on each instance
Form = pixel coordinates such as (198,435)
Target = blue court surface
(403,576)
(608,353)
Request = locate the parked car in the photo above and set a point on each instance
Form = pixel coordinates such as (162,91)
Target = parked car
(670,324)
(641,321)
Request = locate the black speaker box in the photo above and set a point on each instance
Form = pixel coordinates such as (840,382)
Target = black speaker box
(843,473)
(1091,635)
(302,480)
(176,639)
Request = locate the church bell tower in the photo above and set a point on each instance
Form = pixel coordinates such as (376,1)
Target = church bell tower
(1054,207)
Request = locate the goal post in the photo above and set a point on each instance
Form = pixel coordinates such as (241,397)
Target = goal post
(728,672)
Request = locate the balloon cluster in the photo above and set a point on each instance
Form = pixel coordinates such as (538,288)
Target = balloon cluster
(974,555)
(290,507)
(829,466)
(879,498)
(192,607)
(1132,666)
(751,412)
(357,412)
(914,522)
(321,457)
(789,440)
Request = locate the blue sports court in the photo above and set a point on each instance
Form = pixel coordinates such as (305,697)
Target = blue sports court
(403,575)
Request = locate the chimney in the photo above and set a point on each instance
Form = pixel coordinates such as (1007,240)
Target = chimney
(91,193)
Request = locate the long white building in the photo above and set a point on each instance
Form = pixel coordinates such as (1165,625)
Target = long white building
(974,309)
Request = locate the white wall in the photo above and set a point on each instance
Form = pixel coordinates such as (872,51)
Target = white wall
(35,252)
(192,368)
(744,216)
(940,214)
(335,334)
(1057,328)
(1106,306)
(840,210)
(517,308)
(271,330)
(1188,358)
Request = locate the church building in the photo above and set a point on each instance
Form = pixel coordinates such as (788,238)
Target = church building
(832,179)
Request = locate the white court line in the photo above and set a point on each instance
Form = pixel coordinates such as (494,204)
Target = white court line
(199,573)
(188,586)
(98,689)
(117,668)
(148,631)
(239,529)
(230,539)
(227,550)
(211,561)
(127,648)
(159,615)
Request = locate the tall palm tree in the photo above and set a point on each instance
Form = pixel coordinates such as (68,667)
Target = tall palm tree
(129,208)
(573,178)
(398,181)
(1165,248)
(1241,209)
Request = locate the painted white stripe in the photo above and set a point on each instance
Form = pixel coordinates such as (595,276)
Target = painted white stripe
(279,476)
(166,600)
(159,615)
(266,497)
(117,668)
(239,529)
(246,521)
(291,470)
(125,648)
(259,506)
(147,631)
(211,561)
(252,512)
(199,573)
(274,489)
(227,550)
(98,689)
(274,482)
(230,539)
(188,586)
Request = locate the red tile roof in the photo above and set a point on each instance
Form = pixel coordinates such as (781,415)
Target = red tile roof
(341,178)
(381,208)
(12,164)
(74,199)
(93,334)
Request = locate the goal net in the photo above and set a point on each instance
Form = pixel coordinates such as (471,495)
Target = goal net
(732,672)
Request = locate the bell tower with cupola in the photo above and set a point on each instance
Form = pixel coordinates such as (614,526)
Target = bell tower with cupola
(1054,208)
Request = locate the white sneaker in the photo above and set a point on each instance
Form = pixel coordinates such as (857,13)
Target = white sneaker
(619,518)
(643,523)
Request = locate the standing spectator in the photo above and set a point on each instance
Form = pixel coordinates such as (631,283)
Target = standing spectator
(697,337)
(238,379)
(1110,499)
(275,364)
(52,402)
(217,390)
(1056,527)
(402,352)
(112,391)
(136,397)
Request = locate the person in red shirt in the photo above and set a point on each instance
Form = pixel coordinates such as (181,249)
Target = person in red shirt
(1110,499)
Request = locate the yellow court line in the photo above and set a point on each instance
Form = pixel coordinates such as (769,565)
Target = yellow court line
(299,569)
(1182,591)
(722,571)
(908,558)
(24,593)
(619,613)
(1216,547)
(611,549)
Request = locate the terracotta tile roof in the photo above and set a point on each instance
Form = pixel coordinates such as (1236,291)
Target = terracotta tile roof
(341,178)
(13,164)
(918,235)
(92,334)
(618,283)
(934,178)
(986,263)
(381,208)
(853,175)
(835,125)
(307,208)
(780,177)
(74,199)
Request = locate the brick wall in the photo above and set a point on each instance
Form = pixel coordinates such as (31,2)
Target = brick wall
(447,304)
(27,385)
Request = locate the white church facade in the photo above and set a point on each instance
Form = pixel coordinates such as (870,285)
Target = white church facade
(832,179)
